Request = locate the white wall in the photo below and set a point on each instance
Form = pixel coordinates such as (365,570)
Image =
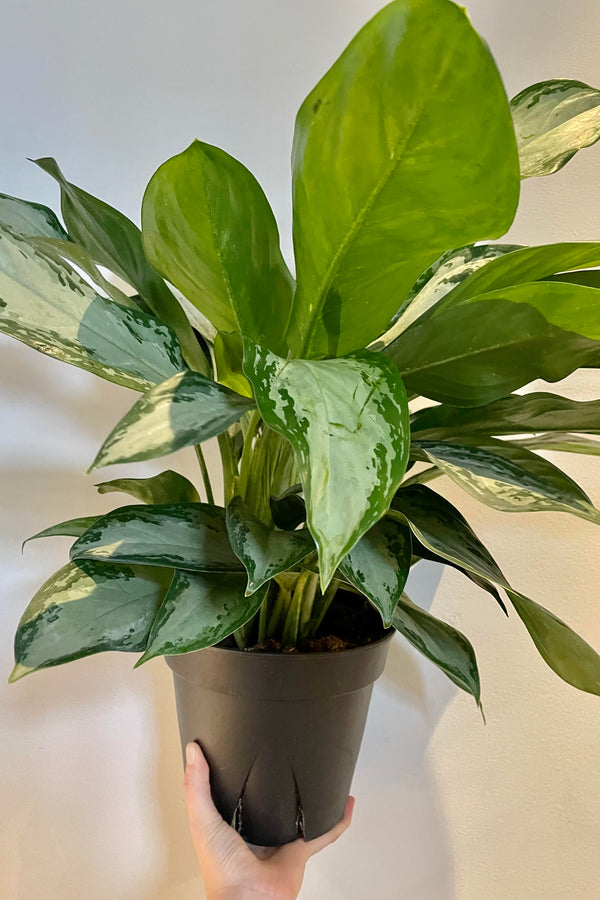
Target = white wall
(447,809)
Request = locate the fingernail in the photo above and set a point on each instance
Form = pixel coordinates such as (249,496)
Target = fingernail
(191,753)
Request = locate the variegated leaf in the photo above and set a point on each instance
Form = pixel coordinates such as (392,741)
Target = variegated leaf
(438,525)
(184,410)
(516,414)
(508,477)
(85,608)
(48,306)
(444,645)
(167,487)
(265,552)
(200,610)
(179,535)
(347,420)
(436,282)
(30,219)
(113,241)
(378,565)
(562,649)
(70,528)
(382,183)
(553,120)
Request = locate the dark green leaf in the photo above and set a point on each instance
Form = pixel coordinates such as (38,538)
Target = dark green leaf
(208,228)
(181,535)
(553,120)
(347,420)
(70,528)
(566,653)
(265,552)
(115,242)
(167,487)
(85,608)
(199,611)
(508,477)
(516,414)
(438,525)
(48,306)
(385,179)
(184,410)
(476,351)
(378,565)
(289,510)
(441,643)
(30,219)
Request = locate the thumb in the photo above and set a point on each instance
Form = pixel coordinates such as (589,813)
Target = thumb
(202,812)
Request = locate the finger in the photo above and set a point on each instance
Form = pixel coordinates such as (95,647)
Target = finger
(302,850)
(201,809)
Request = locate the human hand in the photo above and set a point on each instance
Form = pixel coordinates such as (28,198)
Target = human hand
(231,870)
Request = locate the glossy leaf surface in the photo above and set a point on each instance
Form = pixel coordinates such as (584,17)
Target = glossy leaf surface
(85,608)
(378,565)
(30,219)
(441,528)
(562,649)
(116,243)
(384,178)
(347,420)
(509,477)
(200,610)
(517,414)
(553,120)
(48,306)
(228,349)
(184,410)
(476,351)
(265,552)
(167,487)
(180,535)
(208,228)
(444,645)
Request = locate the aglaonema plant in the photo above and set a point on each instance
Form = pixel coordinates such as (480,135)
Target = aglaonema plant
(407,161)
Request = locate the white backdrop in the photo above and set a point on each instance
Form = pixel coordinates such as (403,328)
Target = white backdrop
(447,809)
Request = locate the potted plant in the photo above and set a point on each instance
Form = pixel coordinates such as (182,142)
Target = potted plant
(275,609)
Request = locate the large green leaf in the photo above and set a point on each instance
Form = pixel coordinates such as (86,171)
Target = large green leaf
(30,219)
(437,281)
(378,565)
(566,653)
(482,348)
(184,410)
(508,477)
(228,349)
(85,608)
(516,414)
(48,306)
(265,552)
(553,120)
(70,528)
(450,650)
(438,525)
(347,420)
(200,610)
(115,242)
(403,149)
(180,535)
(166,487)
(208,228)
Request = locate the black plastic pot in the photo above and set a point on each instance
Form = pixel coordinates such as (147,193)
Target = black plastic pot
(281,732)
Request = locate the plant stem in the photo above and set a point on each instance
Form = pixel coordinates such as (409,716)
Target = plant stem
(205,476)
(323,605)
(263,618)
(229,466)
(289,637)
(309,592)
(424,476)
(245,461)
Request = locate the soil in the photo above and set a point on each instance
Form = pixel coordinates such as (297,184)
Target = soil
(350,622)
